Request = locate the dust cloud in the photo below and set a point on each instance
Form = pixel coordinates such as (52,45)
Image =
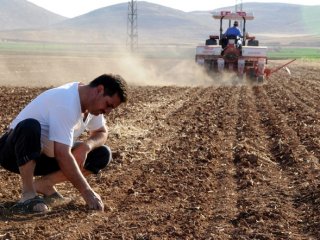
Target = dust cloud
(53,70)
(169,72)
(161,72)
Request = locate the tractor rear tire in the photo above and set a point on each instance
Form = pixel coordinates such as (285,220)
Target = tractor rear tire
(211,41)
(253,43)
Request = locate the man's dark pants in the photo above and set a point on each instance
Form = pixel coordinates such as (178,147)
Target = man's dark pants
(22,144)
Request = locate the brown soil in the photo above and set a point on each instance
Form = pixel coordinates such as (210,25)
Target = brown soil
(228,162)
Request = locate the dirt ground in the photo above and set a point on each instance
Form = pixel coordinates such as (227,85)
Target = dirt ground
(218,162)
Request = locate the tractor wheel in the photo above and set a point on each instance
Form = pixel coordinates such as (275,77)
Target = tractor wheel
(251,73)
(260,79)
(253,43)
(211,42)
(208,65)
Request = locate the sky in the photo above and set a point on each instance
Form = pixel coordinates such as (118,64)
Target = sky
(73,8)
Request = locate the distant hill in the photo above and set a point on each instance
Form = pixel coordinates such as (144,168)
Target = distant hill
(156,23)
(283,18)
(21,14)
(162,25)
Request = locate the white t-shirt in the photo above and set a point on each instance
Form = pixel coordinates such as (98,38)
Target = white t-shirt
(58,111)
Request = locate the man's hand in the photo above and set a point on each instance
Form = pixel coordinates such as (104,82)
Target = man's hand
(93,200)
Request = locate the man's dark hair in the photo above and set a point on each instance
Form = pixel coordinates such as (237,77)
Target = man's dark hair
(112,84)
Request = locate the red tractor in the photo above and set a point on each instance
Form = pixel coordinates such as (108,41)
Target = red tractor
(241,55)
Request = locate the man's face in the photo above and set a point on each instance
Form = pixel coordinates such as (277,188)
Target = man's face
(104,104)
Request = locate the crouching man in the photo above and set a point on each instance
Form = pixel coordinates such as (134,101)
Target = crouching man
(42,140)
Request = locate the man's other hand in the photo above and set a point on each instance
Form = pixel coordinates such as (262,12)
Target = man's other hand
(93,200)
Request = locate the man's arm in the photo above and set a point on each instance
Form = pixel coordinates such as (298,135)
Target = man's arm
(96,139)
(71,170)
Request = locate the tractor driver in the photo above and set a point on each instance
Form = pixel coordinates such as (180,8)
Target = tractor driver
(234,32)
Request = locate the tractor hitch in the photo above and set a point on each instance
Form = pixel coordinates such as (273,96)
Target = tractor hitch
(269,71)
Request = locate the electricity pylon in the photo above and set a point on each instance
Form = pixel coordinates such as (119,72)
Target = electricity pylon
(238,7)
(132,26)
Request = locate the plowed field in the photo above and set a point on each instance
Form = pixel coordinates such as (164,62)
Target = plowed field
(219,162)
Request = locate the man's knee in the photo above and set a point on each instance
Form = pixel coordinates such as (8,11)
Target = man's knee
(98,159)
(26,140)
(28,127)
(106,151)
